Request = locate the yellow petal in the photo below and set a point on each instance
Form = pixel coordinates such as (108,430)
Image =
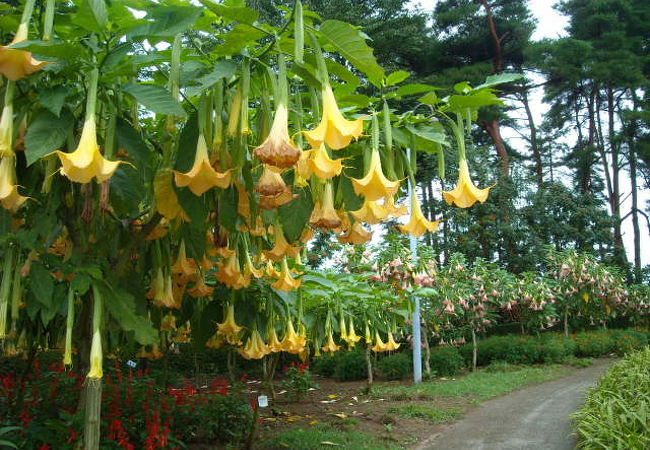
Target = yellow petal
(278,150)
(281,247)
(202,177)
(166,199)
(9,196)
(16,64)
(286,282)
(271,182)
(322,165)
(465,194)
(375,185)
(371,212)
(324,215)
(334,129)
(356,235)
(418,224)
(229,327)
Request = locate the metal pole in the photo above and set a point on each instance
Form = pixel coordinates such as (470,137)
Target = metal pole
(417,336)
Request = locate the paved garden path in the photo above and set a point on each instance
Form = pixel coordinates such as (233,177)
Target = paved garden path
(532,418)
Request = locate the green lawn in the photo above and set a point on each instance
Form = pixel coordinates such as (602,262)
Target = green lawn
(429,413)
(325,436)
(481,385)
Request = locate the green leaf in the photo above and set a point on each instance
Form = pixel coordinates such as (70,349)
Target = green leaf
(502,78)
(62,50)
(295,215)
(98,8)
(228,202)
(194,206)
(412,89)
(351,43)
(53,99)
(80,284)
(238,38)
(430,99)
(127,191)
(41,284)
(46,133)
(474,101)
(155,98)
(166,20)
(222,70)
(232,13)
(121,306)
(131,140)
(397,77)
(187,147)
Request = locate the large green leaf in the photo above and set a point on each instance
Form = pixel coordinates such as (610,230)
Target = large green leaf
(121,306)
(351,43)
(99,11)
(131,140)
(127,191)
(155,98)
(502,78)
(228,202)
(62,50)
(232,13)
(397,77)
(46,133)
(53,99)
(167,21)
(238,38)
(295,214)
(473,101)
(224,69)
(41,284)
(412,89)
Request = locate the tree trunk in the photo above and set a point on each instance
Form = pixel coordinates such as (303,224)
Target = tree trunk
(368,388)
(493,129)
(615,198)
(474,351)
(566,322)
(635,197)
(427,351)
(534,144)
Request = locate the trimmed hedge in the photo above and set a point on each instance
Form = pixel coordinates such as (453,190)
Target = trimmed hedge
(446,361)
(615,414)
(395,367)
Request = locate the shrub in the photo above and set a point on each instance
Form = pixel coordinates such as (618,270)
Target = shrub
(395,367)
(626,341)
(615,414)
(350,366)
(594,343)
(446,361)
(324,365)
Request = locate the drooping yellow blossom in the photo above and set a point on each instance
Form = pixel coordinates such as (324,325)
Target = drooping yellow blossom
(7,131)
(168,323)
(391,345)
(418,224)
(278,150)
(371,212)
(86,162)
(392,209)
(307,235)
(230,273)
(96,356)
(271,182)
(269,202)
(324,215)
(215,341)
(356,235)
(334,129)
(200,289)
(293,342)
(286,282)
(352,337)
(322,165)
(255,347)
(9,196)
(343,332)
(302,171)
(184,269)
(250,270)
(202,176)
(270,271)
(281,247)
(274,343)
(465,194)
(331,345)
(16,64)
(375,185)
(229,327)
(166,199)
(243,201)
(379,344)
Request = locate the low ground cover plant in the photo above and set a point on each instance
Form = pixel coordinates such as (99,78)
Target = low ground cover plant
(615,414)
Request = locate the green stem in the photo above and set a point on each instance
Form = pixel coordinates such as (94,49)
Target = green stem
(91,101)
(27,12)
(48,24)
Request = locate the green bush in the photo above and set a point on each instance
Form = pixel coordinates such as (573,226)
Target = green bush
(594,343)
(350,366)
(446,361)
(626,341)
(324,365)
(615,414)
(395,367)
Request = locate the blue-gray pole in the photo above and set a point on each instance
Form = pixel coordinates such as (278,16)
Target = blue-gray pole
(417,336)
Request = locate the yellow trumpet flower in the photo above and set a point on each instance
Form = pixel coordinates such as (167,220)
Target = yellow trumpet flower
(250,270)
(216,341)
(86,162)
(230,273)
(278,150)
(281,247)
(9,196)
(255,347)
(200,289)
(418,224)
(168,323)
(96,356)
(274,343)
(465,194)
(343,332)
(352,337)
(379,344)
(7,131)
(166,199)
(334,129)
(270,271)
(331,345)
(202,176)
(375,185)
(392,209)
(371,212)
(391,345)
(275,201)
(184,269)
(286,282)
(356,235)
(303,170)
(229,327)
(271,182)
(16,64)
(324,215)
(293,342)
(322,165)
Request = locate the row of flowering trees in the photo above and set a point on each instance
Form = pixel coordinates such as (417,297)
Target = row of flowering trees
(163,165)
